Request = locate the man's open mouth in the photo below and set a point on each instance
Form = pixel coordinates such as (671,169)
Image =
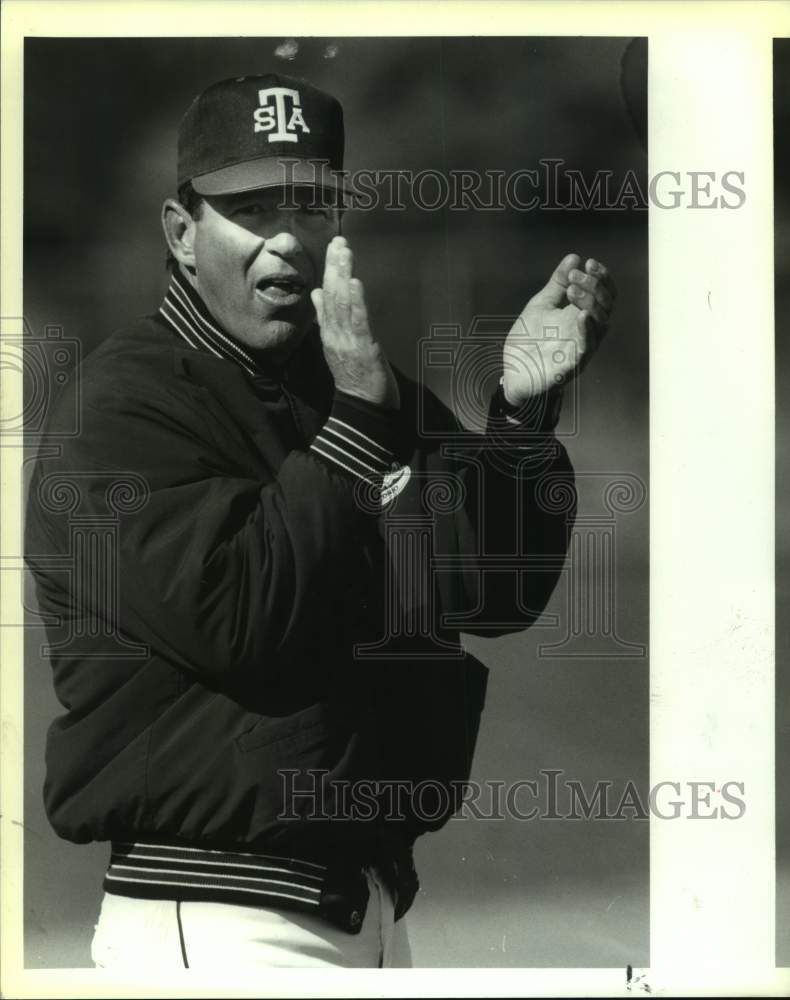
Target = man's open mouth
(281,291)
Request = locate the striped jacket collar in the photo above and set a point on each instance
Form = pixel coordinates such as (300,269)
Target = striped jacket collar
(186,313)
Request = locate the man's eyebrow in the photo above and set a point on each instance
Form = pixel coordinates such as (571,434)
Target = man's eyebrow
(230,202)
(241,196)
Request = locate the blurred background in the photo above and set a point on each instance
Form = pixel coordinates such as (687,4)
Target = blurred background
(782,306)
(100,140)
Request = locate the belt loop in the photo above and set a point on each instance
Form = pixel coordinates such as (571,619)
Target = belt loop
(374,880)
(181,934)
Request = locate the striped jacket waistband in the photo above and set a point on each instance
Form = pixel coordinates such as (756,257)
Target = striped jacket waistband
(160,871)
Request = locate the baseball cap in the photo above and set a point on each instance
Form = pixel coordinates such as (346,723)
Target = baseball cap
(261,131)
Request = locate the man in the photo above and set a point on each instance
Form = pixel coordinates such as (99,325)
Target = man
(266,697)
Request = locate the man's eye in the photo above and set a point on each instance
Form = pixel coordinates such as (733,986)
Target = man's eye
(252,208)
(314,211)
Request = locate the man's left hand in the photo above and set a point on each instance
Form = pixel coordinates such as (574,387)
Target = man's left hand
(559,330)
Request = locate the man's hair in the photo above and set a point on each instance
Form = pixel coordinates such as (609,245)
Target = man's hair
(193,202)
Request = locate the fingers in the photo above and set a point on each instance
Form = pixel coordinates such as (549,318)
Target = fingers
(343,262)
(590,285)
(334,299)
(339,305)
(317,297)
(587,301)
(356,361)
(358,309)
(592,290)
(326,294)
(561,273)
(555,290)
(600,271)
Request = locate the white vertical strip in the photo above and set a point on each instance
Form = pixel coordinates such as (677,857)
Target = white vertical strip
(712,619)
(11,489)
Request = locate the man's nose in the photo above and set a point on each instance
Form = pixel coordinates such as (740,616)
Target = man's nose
(280,237)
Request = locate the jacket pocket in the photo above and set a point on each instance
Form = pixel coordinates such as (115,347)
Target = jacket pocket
(287,735)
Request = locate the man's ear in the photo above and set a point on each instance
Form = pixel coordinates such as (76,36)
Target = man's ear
(179,227)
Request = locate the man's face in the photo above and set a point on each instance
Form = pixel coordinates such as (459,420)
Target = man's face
(257,256)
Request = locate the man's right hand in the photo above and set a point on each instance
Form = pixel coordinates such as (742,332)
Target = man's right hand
(357,362)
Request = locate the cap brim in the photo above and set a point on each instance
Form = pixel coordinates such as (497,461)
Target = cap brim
(268,172)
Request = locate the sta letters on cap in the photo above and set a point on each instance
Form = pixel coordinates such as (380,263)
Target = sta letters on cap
(261,131)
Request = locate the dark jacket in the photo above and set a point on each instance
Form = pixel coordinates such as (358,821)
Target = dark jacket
(235,618)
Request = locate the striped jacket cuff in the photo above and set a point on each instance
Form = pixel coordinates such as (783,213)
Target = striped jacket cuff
(358,438)
(537,415)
